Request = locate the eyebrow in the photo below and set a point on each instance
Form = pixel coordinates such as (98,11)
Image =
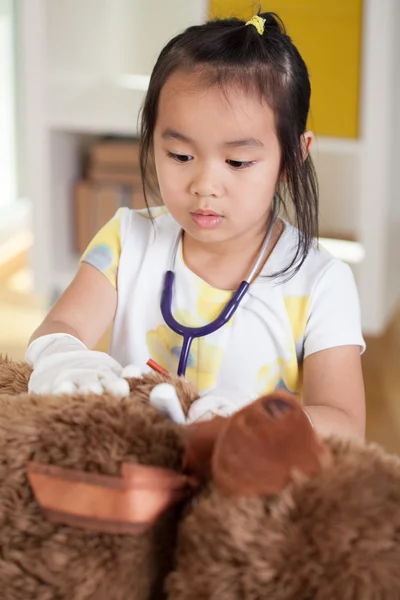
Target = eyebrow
(172,134)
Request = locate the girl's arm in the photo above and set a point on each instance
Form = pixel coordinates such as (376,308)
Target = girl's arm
(85,310)
(334,391)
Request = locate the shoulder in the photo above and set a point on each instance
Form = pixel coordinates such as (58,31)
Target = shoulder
(320,267)
(321,298)
(146,222)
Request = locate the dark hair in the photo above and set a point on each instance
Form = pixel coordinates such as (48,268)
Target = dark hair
(228,52)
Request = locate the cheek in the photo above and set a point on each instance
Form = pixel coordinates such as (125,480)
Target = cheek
(170,182)
(261,180)
(162,170)
(268,175)
(159,159)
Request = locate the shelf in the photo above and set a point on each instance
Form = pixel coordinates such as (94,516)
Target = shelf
(349,251)
(96,106)
(341,146)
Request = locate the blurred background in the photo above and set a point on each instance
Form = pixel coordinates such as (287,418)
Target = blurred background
(73,74)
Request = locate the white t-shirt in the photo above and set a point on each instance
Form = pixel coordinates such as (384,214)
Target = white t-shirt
(277,325)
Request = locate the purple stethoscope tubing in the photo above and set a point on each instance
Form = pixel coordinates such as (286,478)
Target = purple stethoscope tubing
(190,333)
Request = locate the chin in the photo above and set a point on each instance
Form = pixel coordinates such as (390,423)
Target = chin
(208,235)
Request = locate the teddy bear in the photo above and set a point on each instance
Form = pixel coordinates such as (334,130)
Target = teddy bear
(94,435)
(107,497)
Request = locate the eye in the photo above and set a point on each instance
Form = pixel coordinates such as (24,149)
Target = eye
(181,158)
(239,164)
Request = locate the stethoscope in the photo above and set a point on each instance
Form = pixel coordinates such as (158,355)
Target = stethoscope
(190,333)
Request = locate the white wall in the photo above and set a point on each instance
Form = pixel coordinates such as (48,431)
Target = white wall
(360,180)
(106,37)
(72,54)
(377,138)
(7,120)
(393,259)
(395,196)
(337,163)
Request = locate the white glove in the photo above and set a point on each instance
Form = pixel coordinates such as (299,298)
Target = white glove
(207,407)
(165,399)
(64,365)
(218,402)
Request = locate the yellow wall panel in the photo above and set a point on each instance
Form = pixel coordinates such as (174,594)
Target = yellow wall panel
(328,36)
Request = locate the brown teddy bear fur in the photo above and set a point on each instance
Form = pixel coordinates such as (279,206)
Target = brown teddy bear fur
(14,377)
(45,561)
(335,536)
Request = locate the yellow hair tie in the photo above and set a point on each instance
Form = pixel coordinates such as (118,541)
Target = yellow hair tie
(258,23)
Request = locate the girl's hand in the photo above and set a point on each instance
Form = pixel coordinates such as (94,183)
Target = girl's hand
(217,402)
(165,399)
(64,365)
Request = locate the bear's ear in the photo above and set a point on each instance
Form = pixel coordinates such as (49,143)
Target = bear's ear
(107,504)
(262,445)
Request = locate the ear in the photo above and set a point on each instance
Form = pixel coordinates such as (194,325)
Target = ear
(307,141)
(262,445)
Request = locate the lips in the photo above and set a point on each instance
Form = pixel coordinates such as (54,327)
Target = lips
(206,213)
(206,219)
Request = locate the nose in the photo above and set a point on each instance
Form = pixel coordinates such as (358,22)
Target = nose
(205,182)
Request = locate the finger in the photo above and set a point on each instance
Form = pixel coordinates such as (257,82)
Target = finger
(164,398)
(41,390)
(116,385)
(132,372)
(65,387)
(91,387)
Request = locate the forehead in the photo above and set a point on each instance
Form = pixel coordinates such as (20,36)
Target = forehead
(188,103)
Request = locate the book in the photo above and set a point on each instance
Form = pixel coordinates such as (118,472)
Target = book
(96,203)
(115,152)
(112,174)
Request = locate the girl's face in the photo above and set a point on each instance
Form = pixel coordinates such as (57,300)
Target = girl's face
(217,158)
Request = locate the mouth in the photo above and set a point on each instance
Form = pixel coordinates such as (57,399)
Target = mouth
(206,213)
(206,219)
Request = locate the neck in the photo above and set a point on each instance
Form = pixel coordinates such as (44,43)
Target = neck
(225,264)
(226,249)
(247,243)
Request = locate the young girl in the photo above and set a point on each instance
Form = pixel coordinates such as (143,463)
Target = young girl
(224,146)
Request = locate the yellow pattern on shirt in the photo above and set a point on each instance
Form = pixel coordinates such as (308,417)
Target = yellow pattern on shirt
(104,250)
(205,358)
